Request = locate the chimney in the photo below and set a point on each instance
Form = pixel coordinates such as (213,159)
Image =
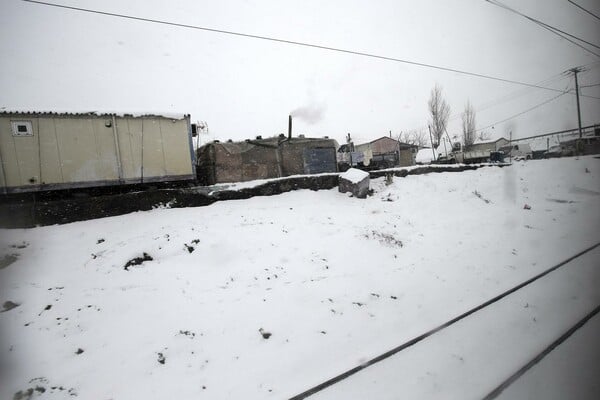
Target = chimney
(290,127)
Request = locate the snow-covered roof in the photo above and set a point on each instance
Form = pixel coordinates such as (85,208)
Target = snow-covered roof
(134,114)
(488,141)
(239,147)
(387,138)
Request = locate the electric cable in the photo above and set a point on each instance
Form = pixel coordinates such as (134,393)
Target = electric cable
(522,112)
(292,42)
(587,11)
(548,27)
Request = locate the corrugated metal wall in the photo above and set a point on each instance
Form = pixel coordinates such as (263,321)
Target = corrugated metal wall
(70,151)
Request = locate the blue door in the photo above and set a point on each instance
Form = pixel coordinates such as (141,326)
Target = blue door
(319,160)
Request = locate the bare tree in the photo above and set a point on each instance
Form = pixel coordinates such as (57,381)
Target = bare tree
(440,112)
(484,135)
(468,125)
(417,137)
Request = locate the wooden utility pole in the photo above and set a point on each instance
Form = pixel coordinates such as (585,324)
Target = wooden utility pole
(511,148)
(431,139)
(575,71)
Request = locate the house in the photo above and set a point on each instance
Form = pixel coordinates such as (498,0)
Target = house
(42,151)
(388,152)
(488,146)
(265,158)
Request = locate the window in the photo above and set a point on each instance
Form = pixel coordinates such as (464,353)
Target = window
(22,128)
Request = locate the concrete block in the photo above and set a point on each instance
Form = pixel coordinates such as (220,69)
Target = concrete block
(356,182)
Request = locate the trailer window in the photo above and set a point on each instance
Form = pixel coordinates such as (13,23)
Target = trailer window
(22,128)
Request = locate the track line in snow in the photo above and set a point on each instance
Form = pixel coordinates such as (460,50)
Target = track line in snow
(513,378)
(441,327)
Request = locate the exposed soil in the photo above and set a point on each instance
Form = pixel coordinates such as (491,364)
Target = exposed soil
(9,305)
(137,261)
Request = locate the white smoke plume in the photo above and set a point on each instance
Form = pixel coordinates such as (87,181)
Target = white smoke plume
(310,114)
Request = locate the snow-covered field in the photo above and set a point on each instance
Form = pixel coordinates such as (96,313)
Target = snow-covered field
(267,297)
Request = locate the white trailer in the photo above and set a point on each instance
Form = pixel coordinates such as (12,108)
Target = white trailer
(42,151)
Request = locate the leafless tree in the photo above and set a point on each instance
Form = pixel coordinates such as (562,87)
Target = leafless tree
(440,112)
(468,125)
(484,135)
(417,137)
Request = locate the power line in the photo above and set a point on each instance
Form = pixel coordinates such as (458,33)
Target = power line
(292,42)
(587,95)
(510,96)
(522,112)
(587,11)
(565,131)
(543,24)
(523,91)
(520,92)
(552,29)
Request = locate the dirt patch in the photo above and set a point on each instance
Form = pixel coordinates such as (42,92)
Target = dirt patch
(40,386)
(9,305)
(476,193)
(137,261)
(264,333)
(385,239)
(8,260)
(191,248)
(187,333)
(561,201)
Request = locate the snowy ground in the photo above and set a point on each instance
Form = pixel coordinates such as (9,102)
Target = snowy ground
(334,280)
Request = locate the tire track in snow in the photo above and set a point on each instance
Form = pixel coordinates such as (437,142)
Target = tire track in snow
(513,378)
(441,327)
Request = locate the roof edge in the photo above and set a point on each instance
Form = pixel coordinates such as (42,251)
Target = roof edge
(127,114)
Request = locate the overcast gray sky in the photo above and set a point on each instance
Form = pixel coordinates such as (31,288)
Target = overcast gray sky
(58,59)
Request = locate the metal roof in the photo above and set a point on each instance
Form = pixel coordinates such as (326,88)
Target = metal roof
(90,114)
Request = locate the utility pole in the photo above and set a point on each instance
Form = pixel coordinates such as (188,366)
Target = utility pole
(431,139)
(511,148)
(575,71)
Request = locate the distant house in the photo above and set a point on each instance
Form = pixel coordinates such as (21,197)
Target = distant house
(265,158)
(389,152)
(488,146)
